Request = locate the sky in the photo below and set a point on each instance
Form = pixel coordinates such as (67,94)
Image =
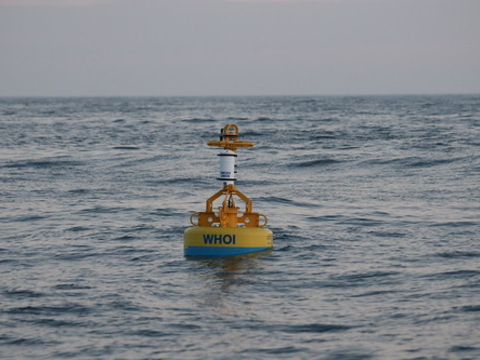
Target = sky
(238,47)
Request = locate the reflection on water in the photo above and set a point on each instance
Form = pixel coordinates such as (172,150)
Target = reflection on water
(226,280)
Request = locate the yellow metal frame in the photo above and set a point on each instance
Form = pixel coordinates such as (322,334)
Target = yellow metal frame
(229,139)
(228,214)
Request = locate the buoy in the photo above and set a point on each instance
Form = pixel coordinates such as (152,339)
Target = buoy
(227,231)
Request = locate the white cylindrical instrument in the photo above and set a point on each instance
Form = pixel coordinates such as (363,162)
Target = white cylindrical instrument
(227,166)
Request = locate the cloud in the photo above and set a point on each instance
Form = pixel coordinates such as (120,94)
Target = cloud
(83,3)
(280,1)
(40,3)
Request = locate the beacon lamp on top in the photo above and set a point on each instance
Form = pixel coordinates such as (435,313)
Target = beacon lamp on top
(228,231)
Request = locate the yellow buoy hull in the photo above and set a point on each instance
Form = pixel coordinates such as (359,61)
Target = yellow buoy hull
(202,241)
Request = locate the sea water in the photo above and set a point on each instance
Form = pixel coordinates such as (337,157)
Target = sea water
(374,203)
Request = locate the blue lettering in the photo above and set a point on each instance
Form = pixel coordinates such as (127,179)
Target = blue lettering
(229,239)
(218,239)
(207,239)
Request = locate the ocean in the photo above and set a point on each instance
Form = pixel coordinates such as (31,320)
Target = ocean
(374,202)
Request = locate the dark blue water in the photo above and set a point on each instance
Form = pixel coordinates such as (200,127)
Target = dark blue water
(374,203)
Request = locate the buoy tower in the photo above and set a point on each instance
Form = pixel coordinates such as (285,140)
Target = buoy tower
(228,231)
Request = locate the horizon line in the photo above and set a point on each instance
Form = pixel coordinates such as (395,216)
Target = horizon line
(245,95)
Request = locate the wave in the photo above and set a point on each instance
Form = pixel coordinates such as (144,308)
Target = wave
(315,328)
(458,254)
(456,224)
(199,120)
(24,341)
(470,308)
(99,209)
(264,119)
(362,279)
(148,333)
(126,148)
(347,220)
(376,293)
(59,310)
(280,200)
(42,164)
(71,286)
(414,162)
(463,349)
(165,212)
(457,274)
(28,218)
(314,163)
(23,294)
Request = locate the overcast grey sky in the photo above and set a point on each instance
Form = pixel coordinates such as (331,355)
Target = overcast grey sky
(242,47)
